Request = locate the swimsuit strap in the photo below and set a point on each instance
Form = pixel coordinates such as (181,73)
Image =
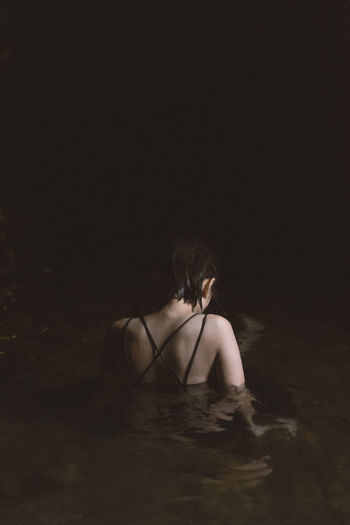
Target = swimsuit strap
(157,354)
(174,332)
(190,363)
(125,326)
(159,351)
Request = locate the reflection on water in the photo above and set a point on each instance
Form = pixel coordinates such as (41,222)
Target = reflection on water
(195,417)
(201,409)
(159,456)
(247,475)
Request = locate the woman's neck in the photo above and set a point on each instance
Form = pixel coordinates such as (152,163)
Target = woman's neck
(176,308)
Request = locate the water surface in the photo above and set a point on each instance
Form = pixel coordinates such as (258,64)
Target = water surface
(156,457)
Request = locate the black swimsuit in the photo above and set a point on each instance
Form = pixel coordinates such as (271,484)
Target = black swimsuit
(158,351)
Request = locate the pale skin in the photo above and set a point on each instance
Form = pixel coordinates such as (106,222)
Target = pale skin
(217,344)
(218,348)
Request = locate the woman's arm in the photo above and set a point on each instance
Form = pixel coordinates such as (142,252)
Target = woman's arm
(229,363)
(231,376)
(230,371)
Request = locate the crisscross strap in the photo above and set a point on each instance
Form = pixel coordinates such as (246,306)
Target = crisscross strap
(158,354)
(190,363)
(158,351)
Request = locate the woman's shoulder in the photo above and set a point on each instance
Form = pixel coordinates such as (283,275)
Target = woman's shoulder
(118,325)
(219,328)
(219,321)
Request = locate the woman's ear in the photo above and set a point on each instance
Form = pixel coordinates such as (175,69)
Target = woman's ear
(206,286)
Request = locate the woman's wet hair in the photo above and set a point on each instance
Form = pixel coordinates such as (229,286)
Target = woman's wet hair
(161,270)
(192,261)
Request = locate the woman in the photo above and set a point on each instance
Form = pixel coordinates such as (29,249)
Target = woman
(180,343)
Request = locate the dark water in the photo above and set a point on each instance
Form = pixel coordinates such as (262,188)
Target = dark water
(115,118)
(67,456)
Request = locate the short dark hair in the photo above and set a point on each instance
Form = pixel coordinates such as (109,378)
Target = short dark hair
(192,262)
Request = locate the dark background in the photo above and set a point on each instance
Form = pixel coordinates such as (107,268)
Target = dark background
(128,123)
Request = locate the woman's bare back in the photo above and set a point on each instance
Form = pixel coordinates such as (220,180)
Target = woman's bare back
(189,354)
